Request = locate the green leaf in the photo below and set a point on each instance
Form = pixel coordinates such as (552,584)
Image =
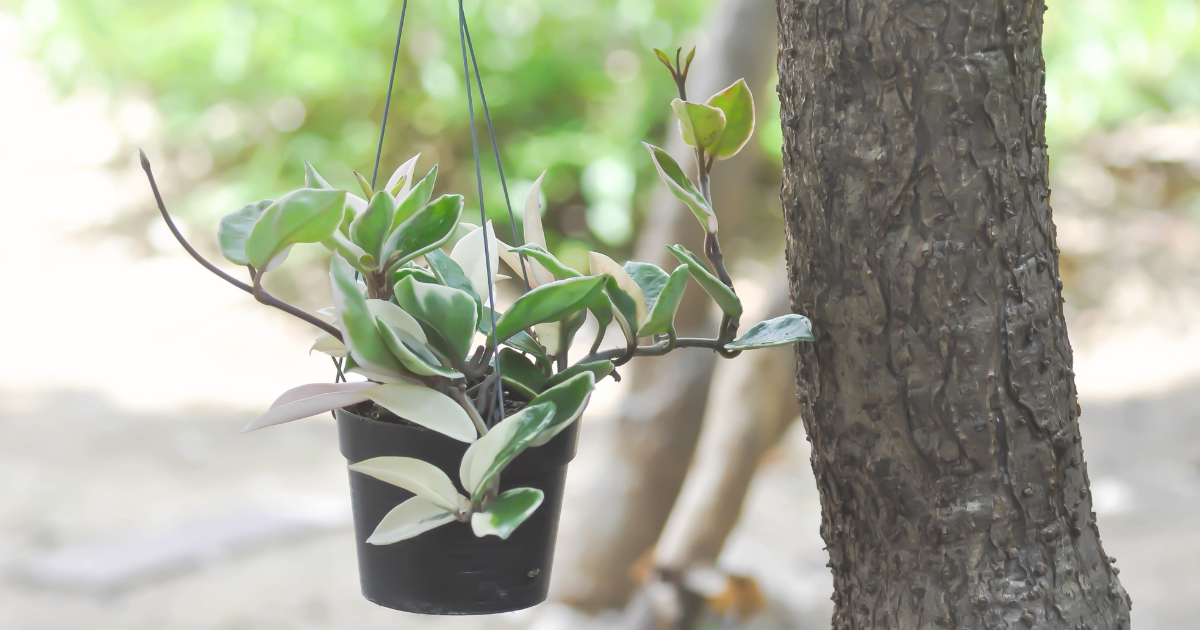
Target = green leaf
(403,174)
(412,354)
(235,227)
(353,254)
(650,278)
(569,399)
(737,103)
(600,306)
(682,187)
(662,56)
(416,199)
(700,125)
(450,274)
(521,341)
(359,332)
(598,369)
(723,295)
(369,228)
(427,407)
(600,264)
(420,274)
(364,184)
(547,260)
(520,374)
(547,303)
(354,203)
(488,456)
(534,233)
(411,518)
(506,512)
(662,316)
(307,215)
(449,313)
(425,230)
(396,317)
(781,331)
(624,308)
(469,252)
(418,477)
(313,179)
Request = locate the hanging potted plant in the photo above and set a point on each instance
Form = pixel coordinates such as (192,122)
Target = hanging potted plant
(459,435)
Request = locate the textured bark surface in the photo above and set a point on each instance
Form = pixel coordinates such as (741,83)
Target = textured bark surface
(660,419)
(939,396)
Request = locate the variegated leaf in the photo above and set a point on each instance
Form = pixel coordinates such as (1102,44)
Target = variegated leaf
(411,518)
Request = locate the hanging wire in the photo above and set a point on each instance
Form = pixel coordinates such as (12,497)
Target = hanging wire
(468,49)
(487,256)
(487,115)
(387,105)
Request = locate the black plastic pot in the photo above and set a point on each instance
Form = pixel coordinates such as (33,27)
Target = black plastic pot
(448,570)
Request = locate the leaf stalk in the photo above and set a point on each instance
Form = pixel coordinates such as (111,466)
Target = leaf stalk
(256,290)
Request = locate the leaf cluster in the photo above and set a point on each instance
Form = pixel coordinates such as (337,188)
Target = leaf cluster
(414,312)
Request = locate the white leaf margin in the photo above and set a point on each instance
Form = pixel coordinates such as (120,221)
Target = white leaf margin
(417,476)
(468,253)
(424,406)
(411,518)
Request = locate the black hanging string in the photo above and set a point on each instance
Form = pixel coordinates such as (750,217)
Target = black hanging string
(487,115)
(387,105)
(467,47)
(487,256)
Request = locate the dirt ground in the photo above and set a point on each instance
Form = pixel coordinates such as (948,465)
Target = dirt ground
(76,470)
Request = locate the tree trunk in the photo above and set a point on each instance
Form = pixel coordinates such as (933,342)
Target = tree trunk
(662,413)
(939,396)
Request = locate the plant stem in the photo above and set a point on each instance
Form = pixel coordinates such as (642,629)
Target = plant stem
(658,349)
(474,369)
(466,404)
(261,296)
(712,246)
(626,355)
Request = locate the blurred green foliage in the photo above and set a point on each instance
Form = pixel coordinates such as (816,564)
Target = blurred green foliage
(246,89)
(1109,61)
(257,85)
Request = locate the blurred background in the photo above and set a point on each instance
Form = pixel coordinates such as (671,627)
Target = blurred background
(128,501)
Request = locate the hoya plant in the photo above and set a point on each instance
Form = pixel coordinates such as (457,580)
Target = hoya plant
(414,314)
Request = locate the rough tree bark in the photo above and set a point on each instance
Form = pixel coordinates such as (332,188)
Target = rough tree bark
(939,396)
(661,416)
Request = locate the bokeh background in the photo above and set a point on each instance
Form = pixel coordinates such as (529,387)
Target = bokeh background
(127,370)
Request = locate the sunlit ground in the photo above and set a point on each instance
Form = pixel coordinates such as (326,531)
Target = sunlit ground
(126,376)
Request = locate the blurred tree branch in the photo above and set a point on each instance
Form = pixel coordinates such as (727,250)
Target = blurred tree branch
(661,416)
(751,404)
